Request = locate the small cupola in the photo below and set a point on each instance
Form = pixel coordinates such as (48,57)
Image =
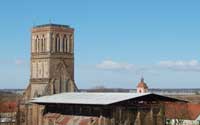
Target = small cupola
(142,86)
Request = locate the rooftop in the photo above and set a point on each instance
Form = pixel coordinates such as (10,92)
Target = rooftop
(55,25)
(98,98)
(186,111)
(8,106)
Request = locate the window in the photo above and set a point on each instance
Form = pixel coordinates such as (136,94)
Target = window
(64,43)
(68,45)
(57,43)
(42,44)
(35,45)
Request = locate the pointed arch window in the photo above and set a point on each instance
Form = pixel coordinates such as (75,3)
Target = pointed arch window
(52,43)
(64,43)
(68,43)
(35,44)
(38,44)
(45,46)
(57,47)
(56,43)
(61,44)
(42,44)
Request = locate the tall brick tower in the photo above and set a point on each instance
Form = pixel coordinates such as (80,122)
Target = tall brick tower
(52,65)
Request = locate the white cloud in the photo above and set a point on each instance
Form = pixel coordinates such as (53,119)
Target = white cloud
(112,65)
(191,65)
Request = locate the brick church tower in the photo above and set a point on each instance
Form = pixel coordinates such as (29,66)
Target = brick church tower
(52,64)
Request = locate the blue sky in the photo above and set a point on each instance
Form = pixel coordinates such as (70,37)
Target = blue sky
(116,42)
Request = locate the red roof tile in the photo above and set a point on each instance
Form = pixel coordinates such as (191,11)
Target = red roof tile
(182,111)
(64,120)
(52,115)
(8,106)
(69,119)
(85,121)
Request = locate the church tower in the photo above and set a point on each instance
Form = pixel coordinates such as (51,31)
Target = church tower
(52,67)
(52,60)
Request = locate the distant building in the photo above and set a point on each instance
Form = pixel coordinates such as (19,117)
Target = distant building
(184,114)
(142,87)
(8,111)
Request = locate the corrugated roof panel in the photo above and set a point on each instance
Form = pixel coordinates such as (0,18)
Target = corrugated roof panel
(87,98)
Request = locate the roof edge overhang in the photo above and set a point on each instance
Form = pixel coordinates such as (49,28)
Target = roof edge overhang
(151,97)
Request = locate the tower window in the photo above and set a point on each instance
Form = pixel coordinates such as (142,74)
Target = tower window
(57,47)
(64,43)
(42,45)
(38,45)
(35,45)
(68,45)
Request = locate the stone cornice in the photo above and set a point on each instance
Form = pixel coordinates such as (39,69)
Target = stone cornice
(52,29)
